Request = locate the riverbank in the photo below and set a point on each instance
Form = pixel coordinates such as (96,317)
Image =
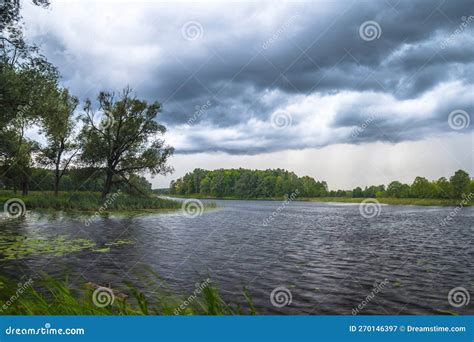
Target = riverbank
(49,296)
(84,201)
(383,200)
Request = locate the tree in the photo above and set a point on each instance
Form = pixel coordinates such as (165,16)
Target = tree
(460,183)
(24,77)
(444,189)
(422,188)
(58,127)
(357,192)
(398,190)
(126,140)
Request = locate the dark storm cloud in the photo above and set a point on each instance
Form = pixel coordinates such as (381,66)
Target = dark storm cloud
(250,61)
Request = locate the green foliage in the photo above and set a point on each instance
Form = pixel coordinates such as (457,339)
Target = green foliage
(26,78)
(248,184)
(89,201)
(460,182)
(57,124)
(126,140)
(48,296)
(244,183)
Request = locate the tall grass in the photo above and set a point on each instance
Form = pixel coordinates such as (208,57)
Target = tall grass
(89,201)
(49,296)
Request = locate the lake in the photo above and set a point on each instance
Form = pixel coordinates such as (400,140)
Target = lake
(326,256)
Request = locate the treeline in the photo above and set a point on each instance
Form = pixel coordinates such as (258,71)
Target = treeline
(244,183)
(117,135)
(81,179)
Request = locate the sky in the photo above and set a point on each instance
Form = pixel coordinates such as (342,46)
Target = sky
(350,92)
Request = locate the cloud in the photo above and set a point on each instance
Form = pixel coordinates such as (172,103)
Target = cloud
(250,60)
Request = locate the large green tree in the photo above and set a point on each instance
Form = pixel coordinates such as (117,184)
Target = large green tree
(460,182)
(123,138)
(58,125)
(25,77)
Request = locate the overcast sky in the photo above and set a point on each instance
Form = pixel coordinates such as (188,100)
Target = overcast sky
(351,92)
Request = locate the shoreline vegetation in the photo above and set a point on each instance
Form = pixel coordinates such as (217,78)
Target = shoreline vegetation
(46,295)
(278,184)
(89,202)
(49,296)
(382,200)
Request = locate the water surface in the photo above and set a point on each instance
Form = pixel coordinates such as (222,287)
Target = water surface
(326,254)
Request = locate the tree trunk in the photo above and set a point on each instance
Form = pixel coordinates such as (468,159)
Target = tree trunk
(57,173)
(108,183)
(24,187)
(56,181)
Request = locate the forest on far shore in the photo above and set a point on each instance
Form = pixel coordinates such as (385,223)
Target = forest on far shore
(245,183)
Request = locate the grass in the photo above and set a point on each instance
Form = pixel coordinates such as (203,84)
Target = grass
(89,201)
(48,296)
(395,201)
(385,200)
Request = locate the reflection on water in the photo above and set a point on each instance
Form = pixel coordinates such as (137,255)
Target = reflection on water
(327,255)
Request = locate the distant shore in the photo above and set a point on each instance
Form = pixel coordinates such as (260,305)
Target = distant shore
(383,200)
